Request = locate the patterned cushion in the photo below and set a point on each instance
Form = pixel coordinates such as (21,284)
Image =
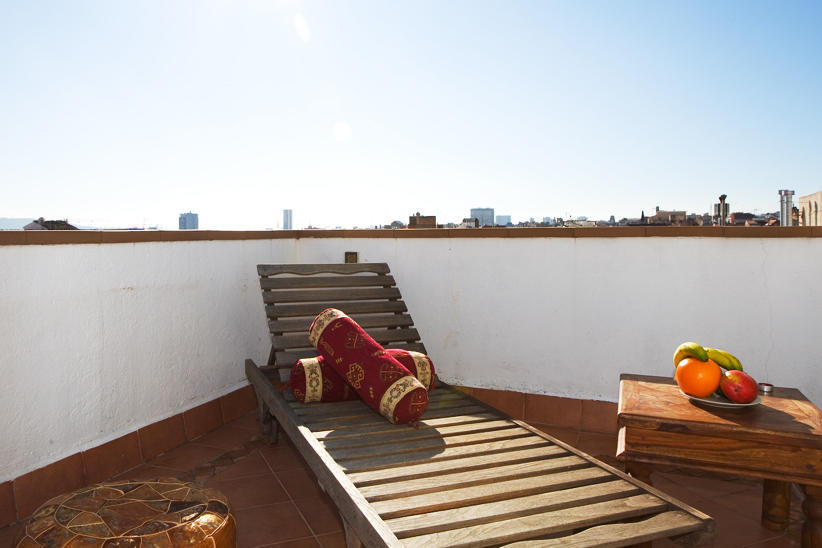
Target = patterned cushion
(314,380)
(379,379)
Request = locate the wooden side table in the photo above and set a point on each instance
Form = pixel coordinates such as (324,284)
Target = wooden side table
(163,513)
(779,440)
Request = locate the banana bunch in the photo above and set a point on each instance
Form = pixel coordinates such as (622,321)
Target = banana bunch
(690,349)
(724,359)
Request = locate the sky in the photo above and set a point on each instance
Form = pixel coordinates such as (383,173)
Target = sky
(356,113)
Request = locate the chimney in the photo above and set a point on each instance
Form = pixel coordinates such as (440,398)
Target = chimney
(785,207)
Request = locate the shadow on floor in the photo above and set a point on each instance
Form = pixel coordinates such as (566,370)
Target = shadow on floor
(276,500)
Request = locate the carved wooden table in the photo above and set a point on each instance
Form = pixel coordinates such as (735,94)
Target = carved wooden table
(162,513)
(779,440)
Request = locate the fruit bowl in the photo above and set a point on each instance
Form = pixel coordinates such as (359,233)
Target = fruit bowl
(715,400)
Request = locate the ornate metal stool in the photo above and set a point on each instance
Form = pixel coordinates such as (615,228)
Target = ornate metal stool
(158,513)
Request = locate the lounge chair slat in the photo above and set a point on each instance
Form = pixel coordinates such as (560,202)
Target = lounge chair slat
(352,307)
(565,521)
(381,438)
(326,281)
(326,295)
(341,410)
(674,523)
(343,268)
(375,418)
(388,427)
(455,518)
(501,490)
(420,486)
(404,459)
(525,453)
(411,445)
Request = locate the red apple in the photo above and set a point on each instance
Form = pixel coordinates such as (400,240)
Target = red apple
(738,386)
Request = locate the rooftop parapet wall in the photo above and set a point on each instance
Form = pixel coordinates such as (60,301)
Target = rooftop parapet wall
(100,340)
(58,237)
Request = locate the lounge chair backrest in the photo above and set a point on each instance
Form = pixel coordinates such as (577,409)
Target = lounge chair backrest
(294,294)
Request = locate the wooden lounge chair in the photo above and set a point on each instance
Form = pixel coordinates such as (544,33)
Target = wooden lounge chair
(469,475)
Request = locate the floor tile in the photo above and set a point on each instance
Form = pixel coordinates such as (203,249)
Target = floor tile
(187,457)
(600,446)
(733,529)
(250,491)
(33,489)
(300,483)
(248,421)
(251,465)
(282,457)
(148,471)
(568,435)
(334,540)
(320,514)
(308,542)
(270,524)
(9,534)
(8,514)
(227,437)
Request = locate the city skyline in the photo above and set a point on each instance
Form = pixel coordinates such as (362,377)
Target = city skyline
(356,114)
(190,220)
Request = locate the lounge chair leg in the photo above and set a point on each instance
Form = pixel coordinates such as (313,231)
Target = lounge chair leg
(267,423)
(351,538)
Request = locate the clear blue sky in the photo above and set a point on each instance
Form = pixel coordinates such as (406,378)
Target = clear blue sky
(356,113)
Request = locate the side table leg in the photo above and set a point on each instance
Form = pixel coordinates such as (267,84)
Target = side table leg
(639,470)
(812,528)
(776,504)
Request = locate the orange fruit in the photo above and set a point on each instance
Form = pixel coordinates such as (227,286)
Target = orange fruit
(697,378)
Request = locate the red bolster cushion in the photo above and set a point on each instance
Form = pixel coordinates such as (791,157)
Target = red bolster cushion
(314,380)
(379,379)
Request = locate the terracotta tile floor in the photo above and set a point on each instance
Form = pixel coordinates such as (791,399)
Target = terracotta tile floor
(277,502)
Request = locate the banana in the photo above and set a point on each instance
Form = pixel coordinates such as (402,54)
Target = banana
(724,359)
(689,350)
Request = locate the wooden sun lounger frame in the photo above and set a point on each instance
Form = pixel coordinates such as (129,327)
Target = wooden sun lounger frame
(469,475)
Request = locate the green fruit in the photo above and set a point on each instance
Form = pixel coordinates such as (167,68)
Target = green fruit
(724,359)
(689,350)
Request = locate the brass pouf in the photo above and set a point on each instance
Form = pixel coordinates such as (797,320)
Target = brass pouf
(161,513)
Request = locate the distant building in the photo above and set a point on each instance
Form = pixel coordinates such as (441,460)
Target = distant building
(287,219)
(422,221)
(675,218)
(503,220)
(42,224)
(809,209)
(485,215)
(469,222)
(739,218)
(189,221)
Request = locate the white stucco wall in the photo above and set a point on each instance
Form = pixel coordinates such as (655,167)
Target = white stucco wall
(99,340)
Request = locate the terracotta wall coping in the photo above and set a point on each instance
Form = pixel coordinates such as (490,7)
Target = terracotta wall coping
(56,237)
